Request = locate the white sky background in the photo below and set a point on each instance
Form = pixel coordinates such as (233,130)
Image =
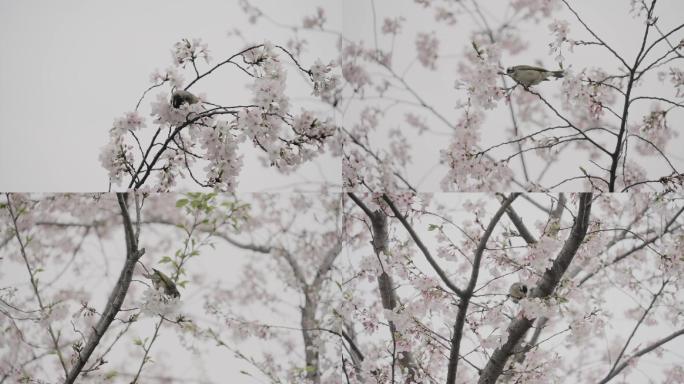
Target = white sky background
(69,68)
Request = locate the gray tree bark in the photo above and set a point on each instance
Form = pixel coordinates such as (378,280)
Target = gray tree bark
(544,287)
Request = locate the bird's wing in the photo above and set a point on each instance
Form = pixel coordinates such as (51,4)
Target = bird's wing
(531,68)
(166,279)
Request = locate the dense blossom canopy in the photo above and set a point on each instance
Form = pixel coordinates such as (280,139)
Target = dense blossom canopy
(394,272)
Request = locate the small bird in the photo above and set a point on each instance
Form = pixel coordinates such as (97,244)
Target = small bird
(181,96)
(517,292)
(527,75)
(164,283)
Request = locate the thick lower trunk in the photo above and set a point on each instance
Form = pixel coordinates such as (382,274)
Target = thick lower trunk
(456,340)
(387,294)
(544,287)
(310,335)
(116,298)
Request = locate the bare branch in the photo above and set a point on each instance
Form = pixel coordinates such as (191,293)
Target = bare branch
(596,36)
(34,283)
(636,327)
(642,352)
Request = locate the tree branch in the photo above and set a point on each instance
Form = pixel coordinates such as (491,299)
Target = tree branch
(642,352)
(468,293)
(544,287)
(387,294)
(117,295)
(34,283)
(555,217)
(636,327)
(643,245)
(423,248)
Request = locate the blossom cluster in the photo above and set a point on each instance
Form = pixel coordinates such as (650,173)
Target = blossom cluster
(203,132)
(655,132)
(535,8)
(156,303)
(586,94)
(315,21)
(117,156)
(560,30)
(325,81)
(187,50)
(427,47)
(353,71)
(479,75)
(467,170)
(676,76)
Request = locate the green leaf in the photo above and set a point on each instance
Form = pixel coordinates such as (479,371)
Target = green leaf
(432,227)
(165,259)
(181,203)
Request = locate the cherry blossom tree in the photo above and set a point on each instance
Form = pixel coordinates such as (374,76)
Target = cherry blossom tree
(286,249)
(51,238)
(442,111)
(391,277)
(85,338)
(203,131)
(368,288)
(451,265)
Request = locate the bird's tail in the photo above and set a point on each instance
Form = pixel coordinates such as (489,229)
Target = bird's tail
(558,74)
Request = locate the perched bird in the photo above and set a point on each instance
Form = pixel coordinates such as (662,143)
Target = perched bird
(517,292)
(181,96)
(163,283)
(527,75)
